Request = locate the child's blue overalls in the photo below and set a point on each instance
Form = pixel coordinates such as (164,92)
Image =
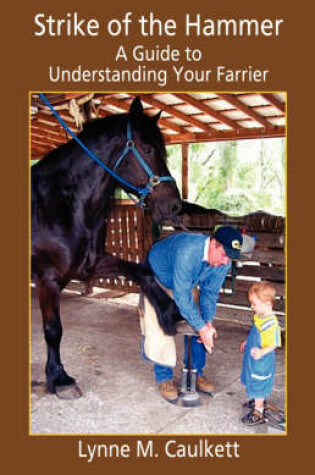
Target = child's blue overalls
(258,375)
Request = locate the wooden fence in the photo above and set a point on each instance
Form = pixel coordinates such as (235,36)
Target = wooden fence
(268,261)
(129,236)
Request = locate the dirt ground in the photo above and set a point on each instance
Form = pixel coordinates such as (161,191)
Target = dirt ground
(100,349)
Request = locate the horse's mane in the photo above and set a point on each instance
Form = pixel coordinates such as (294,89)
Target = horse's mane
(97,126)
(146,124)
(111,126)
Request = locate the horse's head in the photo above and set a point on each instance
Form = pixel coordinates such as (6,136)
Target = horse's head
(148,157)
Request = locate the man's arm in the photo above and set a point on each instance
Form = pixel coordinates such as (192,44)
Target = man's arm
(209,291)
(183,285)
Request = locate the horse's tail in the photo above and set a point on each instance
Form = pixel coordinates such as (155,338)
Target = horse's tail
(164,306)
(108,266)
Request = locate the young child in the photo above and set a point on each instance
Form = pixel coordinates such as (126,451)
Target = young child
(259,351)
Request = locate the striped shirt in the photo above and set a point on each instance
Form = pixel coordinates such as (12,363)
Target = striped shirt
(269,329)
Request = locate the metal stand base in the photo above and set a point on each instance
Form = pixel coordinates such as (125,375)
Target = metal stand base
(190,400)
(189,396)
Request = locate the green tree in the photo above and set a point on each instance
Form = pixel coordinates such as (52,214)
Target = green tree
(235,177)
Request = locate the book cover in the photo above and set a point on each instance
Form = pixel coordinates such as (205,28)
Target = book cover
(228,86)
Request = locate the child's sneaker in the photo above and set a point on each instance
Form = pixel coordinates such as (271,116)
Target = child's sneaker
(254,418)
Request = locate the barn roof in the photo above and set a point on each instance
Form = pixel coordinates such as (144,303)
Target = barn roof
(186,118)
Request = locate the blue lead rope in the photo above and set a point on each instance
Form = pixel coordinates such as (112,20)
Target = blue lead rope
(129,147)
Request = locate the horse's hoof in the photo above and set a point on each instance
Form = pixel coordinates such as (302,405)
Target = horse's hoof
(68,392)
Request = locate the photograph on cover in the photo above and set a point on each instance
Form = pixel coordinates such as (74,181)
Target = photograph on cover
(158,263)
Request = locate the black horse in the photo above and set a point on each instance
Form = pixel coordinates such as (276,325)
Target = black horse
(70,198)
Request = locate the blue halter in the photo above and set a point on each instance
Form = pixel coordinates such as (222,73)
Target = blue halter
(154,180)
(130,146)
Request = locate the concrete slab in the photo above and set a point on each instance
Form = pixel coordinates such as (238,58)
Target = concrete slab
(100,348)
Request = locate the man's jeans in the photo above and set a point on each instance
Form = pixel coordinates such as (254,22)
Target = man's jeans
(164,373)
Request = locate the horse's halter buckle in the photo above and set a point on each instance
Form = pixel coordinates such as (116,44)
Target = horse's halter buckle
(154,180)
(130,144)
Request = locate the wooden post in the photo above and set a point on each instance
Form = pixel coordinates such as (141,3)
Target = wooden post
(185,150)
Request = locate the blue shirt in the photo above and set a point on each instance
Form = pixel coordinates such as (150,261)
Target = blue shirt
(178,263)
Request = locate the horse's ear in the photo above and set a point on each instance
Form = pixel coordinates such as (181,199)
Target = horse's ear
(157,116)
(136,107)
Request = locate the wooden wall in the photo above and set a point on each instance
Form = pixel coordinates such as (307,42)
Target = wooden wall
(129,236)
(268,261)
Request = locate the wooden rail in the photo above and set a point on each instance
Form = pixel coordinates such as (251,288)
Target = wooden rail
(267,263)
(129,236)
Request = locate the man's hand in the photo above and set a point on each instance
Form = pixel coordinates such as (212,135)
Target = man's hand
(207,335)
(214,333)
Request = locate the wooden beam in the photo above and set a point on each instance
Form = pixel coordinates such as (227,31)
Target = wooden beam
(48,132)
(64,114)
(208,111)
(220,136)
(264,107)
(269,118)
(274,101)
(185,151)
(173,111)
(38,153)
(52,140)
(101,112)
(239,105)
(47,128)
(37,122)
(38,149)
(46,141)
(41,117)
(74,95)
(43,142)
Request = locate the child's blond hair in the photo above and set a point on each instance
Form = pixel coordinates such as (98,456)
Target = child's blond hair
(265,291)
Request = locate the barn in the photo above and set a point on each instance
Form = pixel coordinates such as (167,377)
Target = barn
(102,338)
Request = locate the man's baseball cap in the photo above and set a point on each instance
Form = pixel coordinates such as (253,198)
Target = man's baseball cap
(231,239)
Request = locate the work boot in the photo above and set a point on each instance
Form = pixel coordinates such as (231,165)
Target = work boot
(204,385)
(168,390)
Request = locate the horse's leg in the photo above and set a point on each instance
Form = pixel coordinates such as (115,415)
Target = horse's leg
(58,381)
(166,309)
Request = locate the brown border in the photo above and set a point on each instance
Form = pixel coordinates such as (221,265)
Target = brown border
(25,68)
